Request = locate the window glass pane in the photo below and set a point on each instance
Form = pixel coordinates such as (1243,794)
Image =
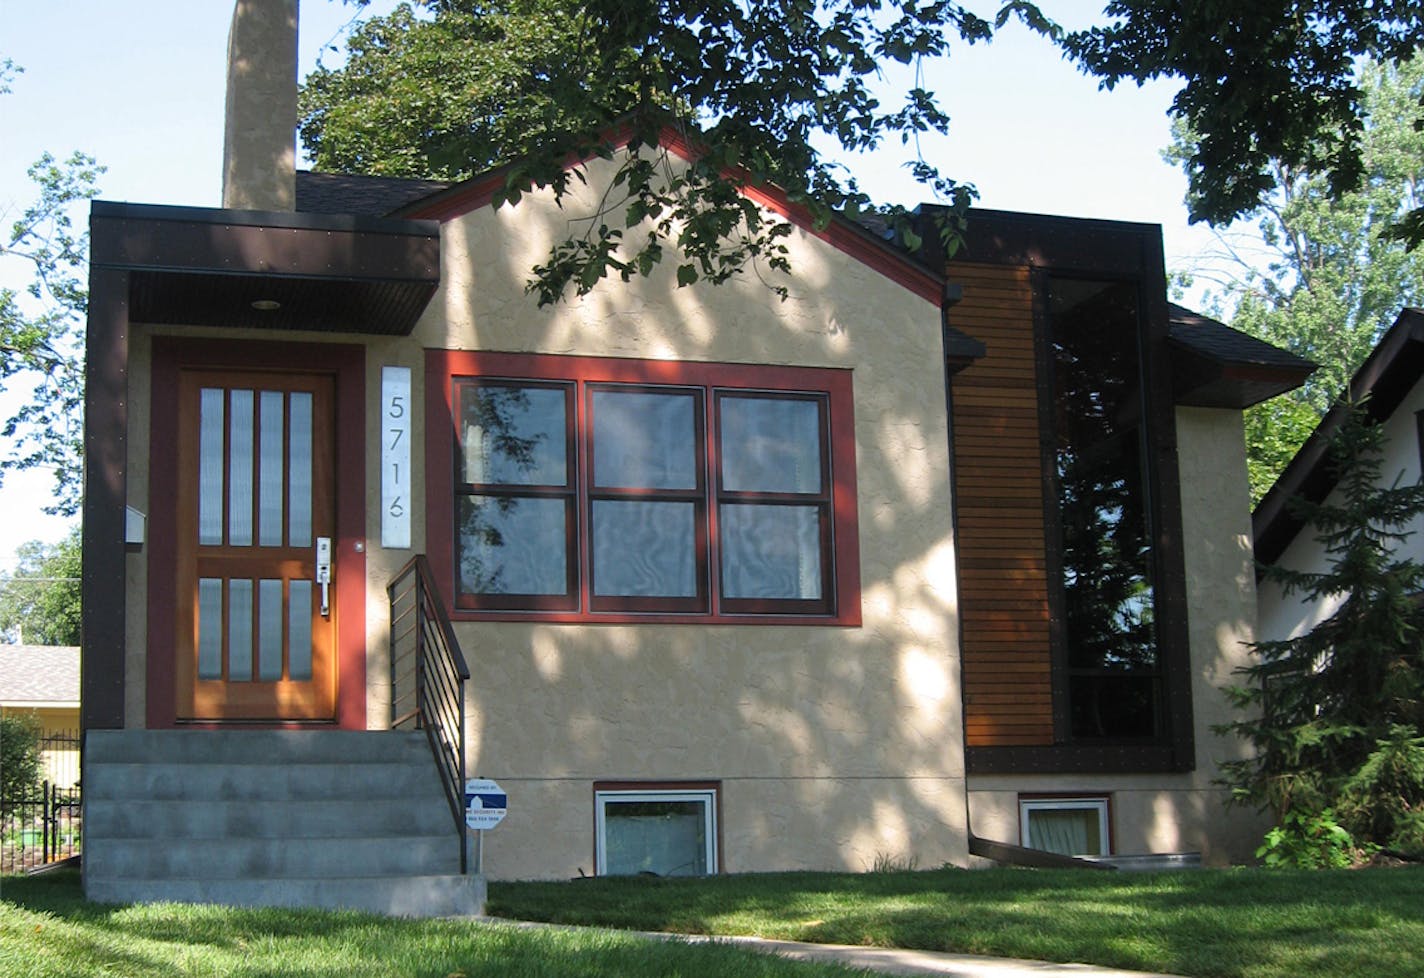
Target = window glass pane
(770,444)
(1113,705)
(269,630)
(644,549)
(512,545)
(1067,831)
(239,630)
(299,630)
(771,551)
(269,493)
(299,520)
(240,458)
(210,639)
(1103,505)
(514,435)
(210,466)
(668,838)
(644,440)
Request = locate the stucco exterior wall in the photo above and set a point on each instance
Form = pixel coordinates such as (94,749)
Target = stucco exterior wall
(1160,813)
(833,745)
(1286,616)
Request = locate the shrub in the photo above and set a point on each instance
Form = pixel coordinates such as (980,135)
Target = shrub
(1306,841)
(19,760)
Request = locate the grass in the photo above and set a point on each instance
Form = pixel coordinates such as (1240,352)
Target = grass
(1229,923)
(48,931)
(1210,923)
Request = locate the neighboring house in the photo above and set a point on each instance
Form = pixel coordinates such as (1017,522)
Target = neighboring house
(42,681)
(928,554)
(1390,383)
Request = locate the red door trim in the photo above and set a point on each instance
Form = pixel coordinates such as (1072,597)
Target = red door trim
(347,362)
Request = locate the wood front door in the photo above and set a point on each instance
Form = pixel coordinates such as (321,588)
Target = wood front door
(256,628)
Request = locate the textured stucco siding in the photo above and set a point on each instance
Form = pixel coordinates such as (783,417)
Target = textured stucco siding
(833,745)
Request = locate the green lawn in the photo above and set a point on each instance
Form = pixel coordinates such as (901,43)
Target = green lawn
(1247,923)
(48,931)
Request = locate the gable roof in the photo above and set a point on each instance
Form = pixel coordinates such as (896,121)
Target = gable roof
(39,675)
(443,201)
(1386,376)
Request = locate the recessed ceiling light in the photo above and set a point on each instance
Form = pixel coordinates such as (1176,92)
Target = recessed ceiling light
(266,305)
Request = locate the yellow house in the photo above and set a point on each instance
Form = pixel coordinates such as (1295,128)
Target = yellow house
(42,681)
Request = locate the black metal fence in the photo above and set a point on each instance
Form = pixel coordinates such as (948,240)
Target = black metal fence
(45,825)
(41,828)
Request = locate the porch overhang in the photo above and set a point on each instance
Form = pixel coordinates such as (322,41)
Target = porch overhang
(208,268)
(199,266)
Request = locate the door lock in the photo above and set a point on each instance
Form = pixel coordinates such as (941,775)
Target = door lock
(323,573)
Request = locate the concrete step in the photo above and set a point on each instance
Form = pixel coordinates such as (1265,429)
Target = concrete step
(255,746)
(279,780)
(140,819)
(272,818)
(273,859)
(398,896)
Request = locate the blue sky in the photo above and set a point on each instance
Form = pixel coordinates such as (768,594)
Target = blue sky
(140,87)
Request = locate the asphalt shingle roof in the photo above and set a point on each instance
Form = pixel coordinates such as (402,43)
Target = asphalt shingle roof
(340,193)
(39,674)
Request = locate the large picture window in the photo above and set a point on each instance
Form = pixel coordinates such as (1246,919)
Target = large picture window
(595,488)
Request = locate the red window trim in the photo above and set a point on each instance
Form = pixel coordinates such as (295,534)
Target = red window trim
(444,366)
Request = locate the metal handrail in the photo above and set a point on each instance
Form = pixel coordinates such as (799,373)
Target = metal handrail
(428,676)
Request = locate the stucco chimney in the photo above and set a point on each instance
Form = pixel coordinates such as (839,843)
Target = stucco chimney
(259,139)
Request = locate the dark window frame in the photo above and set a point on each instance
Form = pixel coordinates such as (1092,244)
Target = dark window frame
(839,540)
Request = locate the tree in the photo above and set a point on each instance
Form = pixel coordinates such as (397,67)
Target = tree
(41,331)
(1337,715)
(1320,273)
(39,602)
(759,87)
(1265,85)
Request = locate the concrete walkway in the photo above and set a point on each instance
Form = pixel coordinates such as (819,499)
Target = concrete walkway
(888,961)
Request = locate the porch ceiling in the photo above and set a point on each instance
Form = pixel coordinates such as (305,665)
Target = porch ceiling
(267,270)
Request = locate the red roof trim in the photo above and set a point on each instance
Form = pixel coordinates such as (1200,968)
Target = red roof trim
(841,234)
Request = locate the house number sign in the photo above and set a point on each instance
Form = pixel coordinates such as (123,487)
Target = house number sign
(395,457)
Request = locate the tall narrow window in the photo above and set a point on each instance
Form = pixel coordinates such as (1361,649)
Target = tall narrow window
(1108,614)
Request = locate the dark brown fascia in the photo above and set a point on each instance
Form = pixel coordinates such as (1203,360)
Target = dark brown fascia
(203,267)
(328,272)
(1382,382)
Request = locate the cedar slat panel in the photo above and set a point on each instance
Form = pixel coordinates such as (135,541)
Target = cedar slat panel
(999,496)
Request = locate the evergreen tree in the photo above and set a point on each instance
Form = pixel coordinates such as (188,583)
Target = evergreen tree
(1337,715)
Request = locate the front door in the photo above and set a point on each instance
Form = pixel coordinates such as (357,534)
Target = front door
(256,610)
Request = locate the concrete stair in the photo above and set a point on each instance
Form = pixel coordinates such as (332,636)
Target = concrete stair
(289,818)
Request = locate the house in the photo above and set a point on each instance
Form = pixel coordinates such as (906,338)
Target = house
(931,557)
(1390,383)
(42,682)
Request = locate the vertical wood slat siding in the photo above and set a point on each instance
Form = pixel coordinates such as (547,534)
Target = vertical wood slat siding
(998,484)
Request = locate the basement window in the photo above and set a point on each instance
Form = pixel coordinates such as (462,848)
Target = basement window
(657,831)
(1076,826)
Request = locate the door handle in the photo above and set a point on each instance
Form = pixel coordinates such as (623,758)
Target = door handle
(323,573)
